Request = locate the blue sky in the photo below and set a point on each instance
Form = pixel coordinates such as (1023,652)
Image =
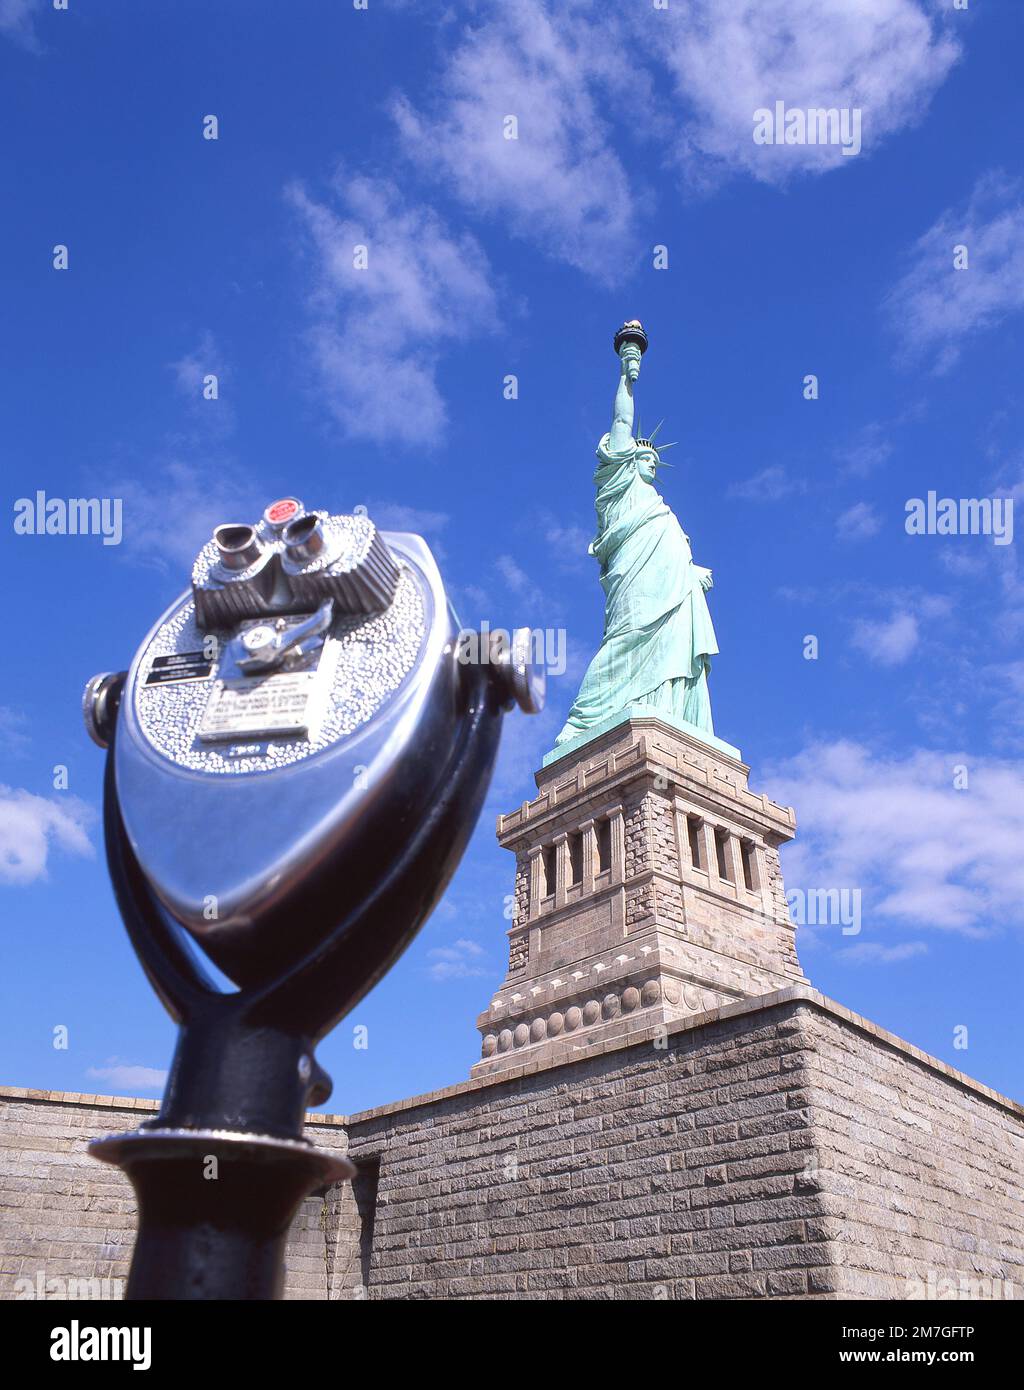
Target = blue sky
(491,257)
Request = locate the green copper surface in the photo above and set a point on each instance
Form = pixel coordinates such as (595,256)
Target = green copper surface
(658,640)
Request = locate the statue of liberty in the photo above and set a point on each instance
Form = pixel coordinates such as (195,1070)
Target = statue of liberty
(658,637)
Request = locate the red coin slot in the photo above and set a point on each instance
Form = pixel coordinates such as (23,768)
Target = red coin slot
(281,511)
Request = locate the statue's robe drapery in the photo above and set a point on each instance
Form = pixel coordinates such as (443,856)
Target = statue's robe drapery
(658,636)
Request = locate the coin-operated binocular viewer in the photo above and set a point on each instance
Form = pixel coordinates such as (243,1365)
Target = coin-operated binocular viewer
(297,757)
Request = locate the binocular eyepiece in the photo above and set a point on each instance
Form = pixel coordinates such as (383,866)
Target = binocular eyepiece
(289,562)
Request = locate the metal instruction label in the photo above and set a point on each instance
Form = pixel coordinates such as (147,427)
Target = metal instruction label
(261,706)
(181,666)
(290,703)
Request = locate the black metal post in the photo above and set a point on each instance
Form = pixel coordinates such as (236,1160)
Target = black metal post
(221,1171)
(215,1209)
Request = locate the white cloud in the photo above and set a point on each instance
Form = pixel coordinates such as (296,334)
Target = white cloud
(887,642)
(213,418)
(173,512)
(867,452)
(891,640)
(379,333)
(534,607)
(560,183)
(563,537)
(396,516)
(858,523)
(471,597)
(585,86)
(964,564)
(514,576)
(30,825)
(456,962)
(885,57)
(16,22)
(13,738)
(998,596)
(770,485)
(894,825)
(575,75)
(192,480)
(934,308)
(521,752)
(470,948)
(1005,684)
(127,1076)
(568,543)
(190,368)
(873,953)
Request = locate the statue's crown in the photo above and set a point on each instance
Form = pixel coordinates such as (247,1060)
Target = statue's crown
(644,441)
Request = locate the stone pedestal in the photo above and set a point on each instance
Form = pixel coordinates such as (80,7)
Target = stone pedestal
(647,889)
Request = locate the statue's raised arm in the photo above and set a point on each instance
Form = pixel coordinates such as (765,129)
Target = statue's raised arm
(630,344)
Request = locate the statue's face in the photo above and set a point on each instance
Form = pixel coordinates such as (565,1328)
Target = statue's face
(647,463)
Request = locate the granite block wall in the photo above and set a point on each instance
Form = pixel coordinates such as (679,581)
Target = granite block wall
(922,1178)
(781,1149)
(668,1169)
(773,1148)
(67,1221)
